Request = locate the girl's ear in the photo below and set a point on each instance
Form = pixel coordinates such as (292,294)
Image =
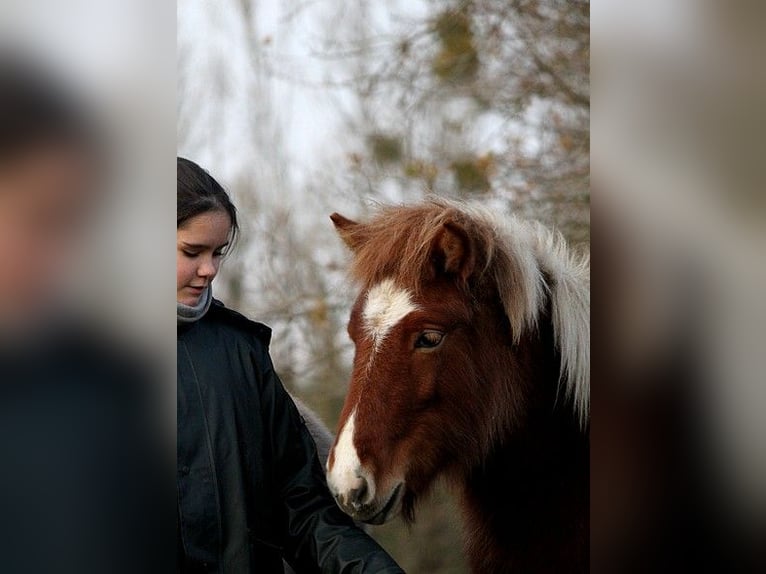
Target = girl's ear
(349,231)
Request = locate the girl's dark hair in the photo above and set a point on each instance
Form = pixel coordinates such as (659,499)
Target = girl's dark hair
(199,192)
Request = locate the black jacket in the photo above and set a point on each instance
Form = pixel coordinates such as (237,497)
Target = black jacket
(250,486)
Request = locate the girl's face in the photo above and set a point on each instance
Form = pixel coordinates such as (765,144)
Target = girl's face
(201,242)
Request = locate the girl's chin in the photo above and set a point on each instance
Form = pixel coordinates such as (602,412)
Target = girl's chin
(189,300)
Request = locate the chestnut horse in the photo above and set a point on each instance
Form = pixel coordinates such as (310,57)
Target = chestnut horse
(472,362)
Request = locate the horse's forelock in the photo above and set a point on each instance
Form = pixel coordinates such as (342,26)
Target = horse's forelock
(398,243)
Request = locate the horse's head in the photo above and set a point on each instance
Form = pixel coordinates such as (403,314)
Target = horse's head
(440,367)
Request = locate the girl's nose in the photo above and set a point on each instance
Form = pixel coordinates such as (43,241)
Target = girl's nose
(207,270)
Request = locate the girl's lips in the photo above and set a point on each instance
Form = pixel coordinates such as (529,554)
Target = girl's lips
(196,289)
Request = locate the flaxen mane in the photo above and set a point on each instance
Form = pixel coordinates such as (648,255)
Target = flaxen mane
(528,265)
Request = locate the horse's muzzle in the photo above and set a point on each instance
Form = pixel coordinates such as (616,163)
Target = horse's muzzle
(358,504)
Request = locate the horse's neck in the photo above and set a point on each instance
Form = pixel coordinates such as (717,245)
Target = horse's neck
(527,504)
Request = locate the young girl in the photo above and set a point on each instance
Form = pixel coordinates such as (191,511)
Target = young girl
(250,487)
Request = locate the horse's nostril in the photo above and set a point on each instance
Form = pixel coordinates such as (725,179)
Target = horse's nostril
(357,495)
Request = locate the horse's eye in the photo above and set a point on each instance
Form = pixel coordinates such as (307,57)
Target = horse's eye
(429,340)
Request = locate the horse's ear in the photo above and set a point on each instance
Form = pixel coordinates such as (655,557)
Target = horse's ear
(453,251)
(348,230)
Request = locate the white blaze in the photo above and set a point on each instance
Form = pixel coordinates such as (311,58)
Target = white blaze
(346,472)
(386,305)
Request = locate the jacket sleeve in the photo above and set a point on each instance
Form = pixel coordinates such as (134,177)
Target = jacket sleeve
(319,537)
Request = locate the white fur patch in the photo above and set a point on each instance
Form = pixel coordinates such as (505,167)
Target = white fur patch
(345,474)
(386,305)
(570,307)
(534,252)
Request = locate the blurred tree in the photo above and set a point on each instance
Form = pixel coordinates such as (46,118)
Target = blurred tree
(488,96)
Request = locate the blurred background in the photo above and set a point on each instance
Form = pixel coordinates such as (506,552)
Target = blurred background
(87,332)
(90,48)
(302,108)
(678,459)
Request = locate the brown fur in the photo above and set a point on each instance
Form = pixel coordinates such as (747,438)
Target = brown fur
(484,408)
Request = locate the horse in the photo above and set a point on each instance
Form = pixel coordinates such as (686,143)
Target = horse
(472,363)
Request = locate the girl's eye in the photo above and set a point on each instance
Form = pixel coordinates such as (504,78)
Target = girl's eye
(190,254)
(429,339)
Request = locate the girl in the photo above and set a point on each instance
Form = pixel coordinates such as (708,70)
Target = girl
(250,487)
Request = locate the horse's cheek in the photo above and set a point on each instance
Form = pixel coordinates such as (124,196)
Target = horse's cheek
(425,375)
